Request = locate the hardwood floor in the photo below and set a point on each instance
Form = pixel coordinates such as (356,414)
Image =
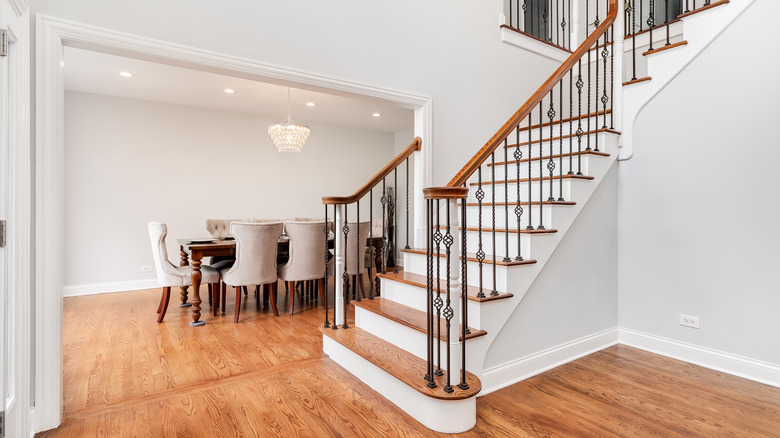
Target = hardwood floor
(127,376)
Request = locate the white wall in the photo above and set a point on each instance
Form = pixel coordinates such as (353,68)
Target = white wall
(451,52)
(128,162)
(575,294)
(698,207)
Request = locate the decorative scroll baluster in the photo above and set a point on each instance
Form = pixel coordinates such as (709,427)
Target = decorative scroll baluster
(326,230)
(506,201)
(571,122)
(395,221)
(480,194)
(551,162)
(355,292)
(530,153)
(407,204)
(438,303)
(560,141)
(383,245)
(651,22)
(612,81)
(493,209)
(633,40)
(525,11)
(541,172)
(596,94)
(518,208)
(464,295)
(604,97)
(429,291)
(580,84)
(371,246)
(345,276)
(448,312)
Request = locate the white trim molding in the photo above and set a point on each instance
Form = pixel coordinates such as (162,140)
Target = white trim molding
(19,6)
(52,35)
(517,370)
(740,366)
(104,288)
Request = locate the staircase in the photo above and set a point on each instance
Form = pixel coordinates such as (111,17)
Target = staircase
(493,229)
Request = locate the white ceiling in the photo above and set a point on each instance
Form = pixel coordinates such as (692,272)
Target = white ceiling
(98,73)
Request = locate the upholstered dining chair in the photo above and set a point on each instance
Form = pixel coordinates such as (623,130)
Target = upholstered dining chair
(307,256)
(354,270)
(255,264)
(168,275)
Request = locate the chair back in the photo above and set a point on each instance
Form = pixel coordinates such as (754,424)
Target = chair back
(307,251)
(352,258)
(256,245)
(165,270)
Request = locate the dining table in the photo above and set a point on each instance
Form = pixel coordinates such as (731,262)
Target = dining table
(193,251)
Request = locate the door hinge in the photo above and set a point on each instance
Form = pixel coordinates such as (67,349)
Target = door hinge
(3,42)
(2,239)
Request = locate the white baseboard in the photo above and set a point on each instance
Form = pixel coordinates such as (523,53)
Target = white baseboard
(740,366)
(102,288)
(520,369)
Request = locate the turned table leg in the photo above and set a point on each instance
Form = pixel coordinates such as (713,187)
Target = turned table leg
(184,262)
(196,278)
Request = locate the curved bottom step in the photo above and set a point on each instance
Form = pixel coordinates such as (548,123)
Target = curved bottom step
(398,376)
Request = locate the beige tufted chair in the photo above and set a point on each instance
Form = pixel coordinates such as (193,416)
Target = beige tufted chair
(307,256)
(255,264)
(169,275)
(353,269)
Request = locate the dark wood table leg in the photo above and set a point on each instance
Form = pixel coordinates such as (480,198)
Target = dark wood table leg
(184,262)
(197,276)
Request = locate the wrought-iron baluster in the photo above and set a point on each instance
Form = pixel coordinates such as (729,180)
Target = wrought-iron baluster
(506,200)
(325,230)
(557,20)
(686,6)
(437,303)
(604,97)
(641,7)
(383,245)
(371,246)
(579,84)
(525,11)
(395,221)
(355,292)
(493,209)
(464,295)
(571,121)
(596,94)
(612,81)
(633,39)
(587,111)
(518,208)
(570,44)
(651,22)
(667,23)
(551,162)
(560,141)
(511,16)
(530,162)
(448,312)
(345,276)
(480,194)
(429,291)
(563,25)
(407,203)
(548,34)
(541,172)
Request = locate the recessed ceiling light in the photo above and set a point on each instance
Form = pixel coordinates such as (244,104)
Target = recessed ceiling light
(229,90)
(125,74)
(311,104)
(376,114)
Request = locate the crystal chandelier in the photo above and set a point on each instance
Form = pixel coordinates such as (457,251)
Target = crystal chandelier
(287,136)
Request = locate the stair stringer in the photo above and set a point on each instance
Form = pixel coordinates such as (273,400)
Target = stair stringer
(494,315)
(700,30)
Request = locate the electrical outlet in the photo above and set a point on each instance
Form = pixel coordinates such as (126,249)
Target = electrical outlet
(146,269)
(689,321)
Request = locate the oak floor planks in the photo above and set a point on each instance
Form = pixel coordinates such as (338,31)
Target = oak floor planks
(124,375)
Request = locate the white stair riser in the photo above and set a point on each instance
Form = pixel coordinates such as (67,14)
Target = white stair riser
(447,416)
(472,216)
(575,167)
(512,191)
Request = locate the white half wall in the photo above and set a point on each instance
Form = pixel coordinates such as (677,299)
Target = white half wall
(128,162)
(698,211)
(571,308)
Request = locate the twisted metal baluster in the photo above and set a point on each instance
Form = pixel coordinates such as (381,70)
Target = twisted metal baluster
(541,172)
(596,94)
(563,26)
(325,230)
(651,22)
(371,246)
(525,11)
(604,97)
(571,121)
(557,20)
(518,208)
(448,312)
(612,82)
(383,245)
(587,111)
(429,289)
(560,142)
(480,194)
(464,294)
(355,292)
(506,200)
(493,209)
(530,153)
(551,163)
(334,326)
(547,34)
(407,203)
(579,84)
(345,276)
(395,221)
(438,303)
(633,39)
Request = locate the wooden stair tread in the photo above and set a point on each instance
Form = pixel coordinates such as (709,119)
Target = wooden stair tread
(655,28)
(662,48)
(554,139)
(422,282)
(471,257)
(547,157)
(636,81)
(703,8)
(501,204)
(513,230)
(400,364)
(411,317)
(536,178)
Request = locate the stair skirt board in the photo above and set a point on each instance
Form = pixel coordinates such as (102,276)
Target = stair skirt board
(447,416)
(501,376)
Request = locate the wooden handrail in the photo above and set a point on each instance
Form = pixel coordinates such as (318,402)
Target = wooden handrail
(483,154)
(415,146)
